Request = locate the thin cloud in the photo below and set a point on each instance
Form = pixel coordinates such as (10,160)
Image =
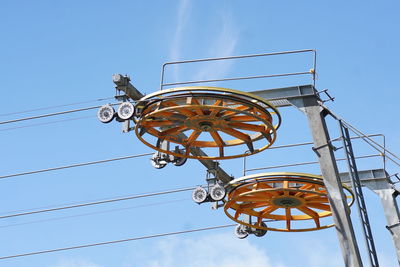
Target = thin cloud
(219,250)
(182,17)
(224,45)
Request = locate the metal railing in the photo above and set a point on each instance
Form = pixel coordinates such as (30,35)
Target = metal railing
(312,71)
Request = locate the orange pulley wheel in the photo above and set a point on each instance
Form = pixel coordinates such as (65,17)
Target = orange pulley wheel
(292,202)
(224,123)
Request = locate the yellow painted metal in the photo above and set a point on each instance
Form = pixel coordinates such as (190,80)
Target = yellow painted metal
(288,198)
(220,90)
(221,117)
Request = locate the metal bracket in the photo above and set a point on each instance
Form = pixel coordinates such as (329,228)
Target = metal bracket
(122,83)
(325,91)
(126,126)
(389,227)
(119,97)
(213,171)
(315,149)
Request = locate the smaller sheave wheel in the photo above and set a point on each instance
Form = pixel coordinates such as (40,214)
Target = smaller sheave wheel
(240,231)
(290,202)
(224,123)
(106,113)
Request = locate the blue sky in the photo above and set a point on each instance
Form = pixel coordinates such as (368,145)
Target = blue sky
(60,52)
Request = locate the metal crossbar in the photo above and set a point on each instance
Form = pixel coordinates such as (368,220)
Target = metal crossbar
(356,186)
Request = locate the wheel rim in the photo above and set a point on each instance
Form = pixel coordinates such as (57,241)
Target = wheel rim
(289,199)
(209,120)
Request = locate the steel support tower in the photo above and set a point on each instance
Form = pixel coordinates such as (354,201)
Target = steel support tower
(307,99)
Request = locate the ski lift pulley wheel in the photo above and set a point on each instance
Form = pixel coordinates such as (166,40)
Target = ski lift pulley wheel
(289,199)
(208,117)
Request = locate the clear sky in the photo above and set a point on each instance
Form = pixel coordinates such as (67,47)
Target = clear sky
(60,52)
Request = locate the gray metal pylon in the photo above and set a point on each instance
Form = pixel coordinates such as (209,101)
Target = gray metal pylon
(324,151)
(357,188)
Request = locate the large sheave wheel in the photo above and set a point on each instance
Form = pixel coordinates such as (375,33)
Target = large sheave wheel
(225,123)
(290,200)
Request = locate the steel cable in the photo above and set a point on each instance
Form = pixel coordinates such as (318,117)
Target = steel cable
(116,241)
(45,123)
(79,205)
(75,165)
(94,213)
(48,115)
(57,106)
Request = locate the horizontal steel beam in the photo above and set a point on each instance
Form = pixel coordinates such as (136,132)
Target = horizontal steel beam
(280,97)
(373,179)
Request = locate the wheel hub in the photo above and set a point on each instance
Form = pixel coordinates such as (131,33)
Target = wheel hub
(287,202)
(205,123)
(206,126)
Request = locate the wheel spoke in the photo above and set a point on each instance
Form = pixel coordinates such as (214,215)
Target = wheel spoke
(181,110)
(310,213)
(248,127)
(285,185)
(229,114)
(319,206)
(253,199)
(142,131)
(218,102)
(288,218)
(316,198)
(252,205)
(267,210)
(255,186)
(257,111)
(242,136)
(243,118)
(193,136)
(259,221)
(188,112)
(264,214)
(153,123)
(267,135)
(261,186)
(237,134)
(168,114)
(256,195)
(174,130)
(237,213)
(304,187)
(218,140)
(215,111)
(167,103)
(195,105)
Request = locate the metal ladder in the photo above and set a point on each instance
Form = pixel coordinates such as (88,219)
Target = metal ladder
(356,186)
